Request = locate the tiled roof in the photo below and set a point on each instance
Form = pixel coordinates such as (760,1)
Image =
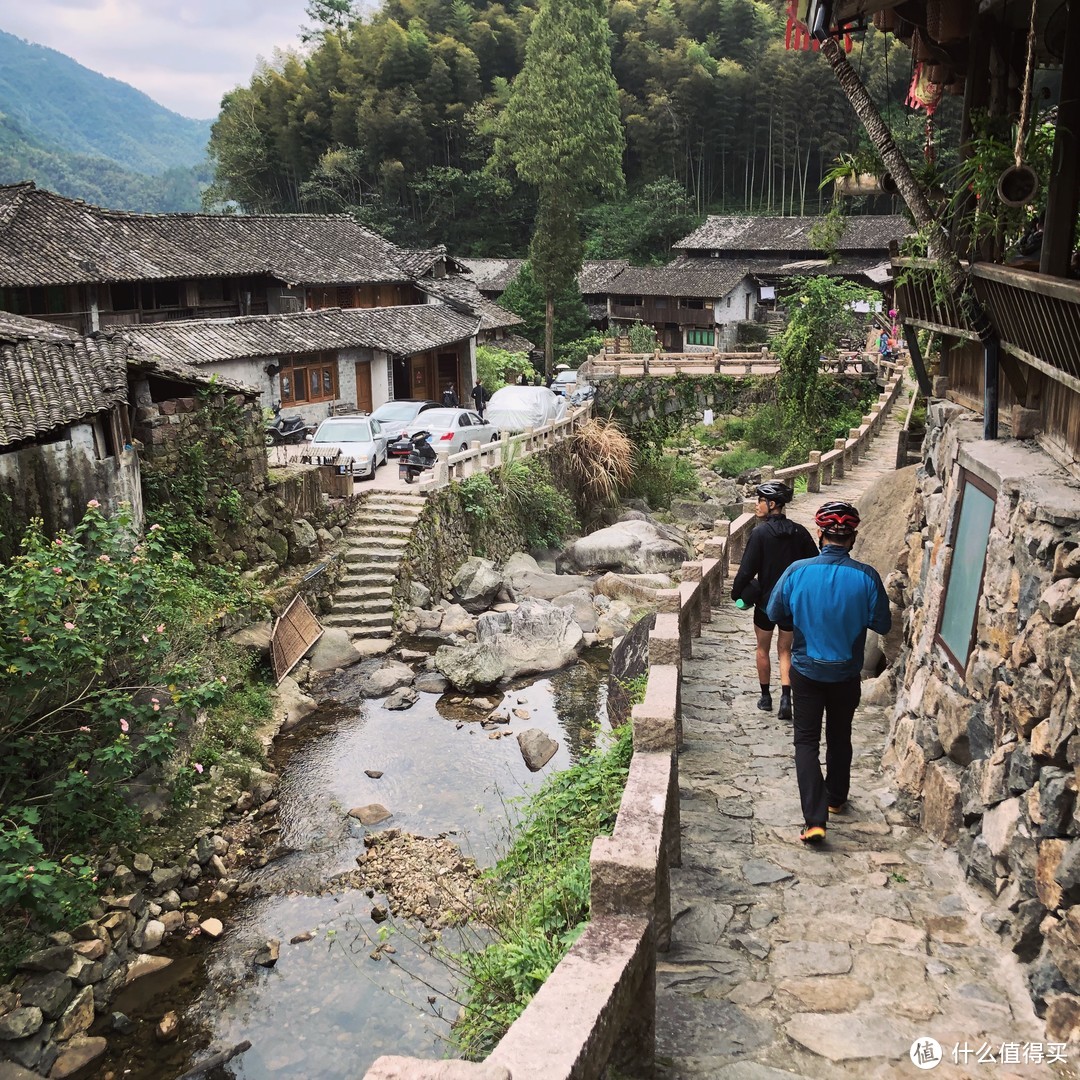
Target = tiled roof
(597,274)
(46,239)
(493,275)
(50,376)
(397,330)
(708,279)
(868,232)
(462,293)
(866,266)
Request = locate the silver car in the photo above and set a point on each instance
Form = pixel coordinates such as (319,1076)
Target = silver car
(455,429)
(398,416)
(359,437)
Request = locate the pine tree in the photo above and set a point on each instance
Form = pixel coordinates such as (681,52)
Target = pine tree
(562,132)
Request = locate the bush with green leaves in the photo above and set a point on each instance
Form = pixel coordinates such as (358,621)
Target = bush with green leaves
(106,659)
(493,364)
(540,893)
(576,352)
(642,337)
(659,478)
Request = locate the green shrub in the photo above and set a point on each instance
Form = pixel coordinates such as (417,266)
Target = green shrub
(660,478)
(735,462)
(642,338)
(540,892)
(751,333)
(766,430)
(576,352)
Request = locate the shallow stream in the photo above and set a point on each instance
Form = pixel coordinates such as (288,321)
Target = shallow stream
(328,1009)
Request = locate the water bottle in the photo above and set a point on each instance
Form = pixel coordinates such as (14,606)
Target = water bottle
(741,604)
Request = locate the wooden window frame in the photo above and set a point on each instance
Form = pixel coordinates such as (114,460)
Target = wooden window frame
(966,478)
(301,367)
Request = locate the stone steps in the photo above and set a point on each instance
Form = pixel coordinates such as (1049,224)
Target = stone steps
(359,605)
(362,625)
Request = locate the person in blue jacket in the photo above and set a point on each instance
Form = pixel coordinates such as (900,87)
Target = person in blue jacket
(831,601)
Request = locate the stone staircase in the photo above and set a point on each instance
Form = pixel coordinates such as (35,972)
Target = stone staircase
(376,539)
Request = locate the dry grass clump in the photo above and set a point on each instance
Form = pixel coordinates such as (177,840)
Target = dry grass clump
(600,461)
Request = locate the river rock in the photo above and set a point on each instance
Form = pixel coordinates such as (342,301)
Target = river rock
(404,697)
(76,1055)
(633,588)
(543,586)
(537,748)
(57,958)
(431,682)
(518,562)
(212,928)
(144,964)
(385,679)
(469,667)
(77,1017)
(21,1022)
(419,595)
(372,814)
(333,650)
(476,584)
(255,637)
(456,621)
(152,935)
(267,956)
(168,1027)
(291,704)
(536,637)
(50,992)
(696,512)
(580,605)
(637,547)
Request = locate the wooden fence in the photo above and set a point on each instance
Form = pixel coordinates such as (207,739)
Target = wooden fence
(598,1006)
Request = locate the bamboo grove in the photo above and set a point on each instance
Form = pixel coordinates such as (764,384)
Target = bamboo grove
(392,117)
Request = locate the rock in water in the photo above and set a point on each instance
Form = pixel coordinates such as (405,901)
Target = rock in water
(536,637)
(636,547)
(371,814)
(77,1054)
(402,698)
(469,667)
(267,956)
(536,748)
(386,679)
(168,1027)
(476,584)
(212,928)
(333,650)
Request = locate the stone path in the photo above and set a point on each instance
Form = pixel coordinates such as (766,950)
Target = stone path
(827,963)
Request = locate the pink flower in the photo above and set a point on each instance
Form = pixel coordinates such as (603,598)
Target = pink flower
(154,528)
(157,707)
(104,558)
(84,729)
(160,628)
(145,639)
(58,543)
(69,626)
(124,725)
(197,767)
(93,504)
(222,679)
(27,639)
(57,570)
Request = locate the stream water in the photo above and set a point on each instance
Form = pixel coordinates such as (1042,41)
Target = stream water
(328,1008)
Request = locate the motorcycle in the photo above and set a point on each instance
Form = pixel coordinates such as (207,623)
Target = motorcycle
(286,429)
(421,455)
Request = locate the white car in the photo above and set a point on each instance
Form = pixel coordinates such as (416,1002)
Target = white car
(515,408)
(455,429)
(565,383)
(358,437)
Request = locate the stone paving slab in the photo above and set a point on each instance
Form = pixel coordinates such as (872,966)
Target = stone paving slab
(790,963)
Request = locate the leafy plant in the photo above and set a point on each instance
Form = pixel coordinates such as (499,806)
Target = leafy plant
(642,337)
(736,462)
(600,460)
(658,478)
(494,364)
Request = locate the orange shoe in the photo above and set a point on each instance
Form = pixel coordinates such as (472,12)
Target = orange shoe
(839,808)
(813,834)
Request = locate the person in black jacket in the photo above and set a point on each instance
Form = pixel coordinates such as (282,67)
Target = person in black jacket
(773,546)
(480,397)
(449,397)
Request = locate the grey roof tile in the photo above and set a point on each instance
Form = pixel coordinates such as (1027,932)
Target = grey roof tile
(723,232)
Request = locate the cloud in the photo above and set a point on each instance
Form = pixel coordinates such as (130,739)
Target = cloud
(185,55)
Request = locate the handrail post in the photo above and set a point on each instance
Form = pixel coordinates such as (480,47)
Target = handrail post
(856,434)
(813,477)
(838,461)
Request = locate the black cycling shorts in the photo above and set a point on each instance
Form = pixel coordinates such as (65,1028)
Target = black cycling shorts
(763,622)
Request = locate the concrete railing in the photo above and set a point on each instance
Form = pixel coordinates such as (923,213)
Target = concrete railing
(757,362)
(597,1008)
(481,458)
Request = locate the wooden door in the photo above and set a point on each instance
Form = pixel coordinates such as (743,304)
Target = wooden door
(363,386)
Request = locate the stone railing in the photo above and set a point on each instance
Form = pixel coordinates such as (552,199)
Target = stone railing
(708,361)
(597,1008)
(480,458)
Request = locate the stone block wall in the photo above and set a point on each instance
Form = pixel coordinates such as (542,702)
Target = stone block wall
(990,756)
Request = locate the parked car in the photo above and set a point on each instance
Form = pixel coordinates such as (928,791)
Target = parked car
(360,437)
(515,408)
(457,428)
(565,383)
(397,416)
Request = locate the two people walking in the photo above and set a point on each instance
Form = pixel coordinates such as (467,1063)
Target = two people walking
(823,604)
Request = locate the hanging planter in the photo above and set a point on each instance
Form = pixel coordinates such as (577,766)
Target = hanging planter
(858,184)
(1018,185)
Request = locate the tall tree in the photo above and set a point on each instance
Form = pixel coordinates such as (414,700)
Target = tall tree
(329,16)
(562,133)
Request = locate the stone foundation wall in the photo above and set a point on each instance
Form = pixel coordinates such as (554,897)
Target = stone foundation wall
(993,752)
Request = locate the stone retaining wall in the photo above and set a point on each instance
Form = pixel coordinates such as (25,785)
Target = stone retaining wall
(993,750)
(600,1000)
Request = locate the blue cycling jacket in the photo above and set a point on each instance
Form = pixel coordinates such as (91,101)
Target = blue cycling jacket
(832,601)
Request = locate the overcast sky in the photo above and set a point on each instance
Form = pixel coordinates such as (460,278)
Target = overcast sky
(184,53)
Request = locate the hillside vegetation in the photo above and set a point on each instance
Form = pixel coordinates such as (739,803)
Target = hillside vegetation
(393,116)
(91,137)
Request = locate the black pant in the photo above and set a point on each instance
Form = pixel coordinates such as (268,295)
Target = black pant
(837,701)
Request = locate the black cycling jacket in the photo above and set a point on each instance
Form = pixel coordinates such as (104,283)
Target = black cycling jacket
(773,546)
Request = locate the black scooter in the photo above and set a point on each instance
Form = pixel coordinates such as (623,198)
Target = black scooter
(421,456)
(286,429)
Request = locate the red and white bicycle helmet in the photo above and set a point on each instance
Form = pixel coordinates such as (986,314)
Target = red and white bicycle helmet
(839,519)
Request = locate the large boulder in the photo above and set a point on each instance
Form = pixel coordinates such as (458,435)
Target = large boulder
(456,620)
(635,546)
(636,589)
(541,586)
(291,704)
(385,679)
(696,512)
(518,562)
(255,637)
(580,604)
(476,584)
(536,636)
(469,667)
(303,543)
(333,650)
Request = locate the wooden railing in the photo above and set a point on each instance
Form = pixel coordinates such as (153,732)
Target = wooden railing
(597,1009)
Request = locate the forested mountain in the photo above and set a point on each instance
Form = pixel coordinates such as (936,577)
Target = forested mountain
(91,137)
(393,116)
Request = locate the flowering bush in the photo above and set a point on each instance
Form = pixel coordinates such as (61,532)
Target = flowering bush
(106,659)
